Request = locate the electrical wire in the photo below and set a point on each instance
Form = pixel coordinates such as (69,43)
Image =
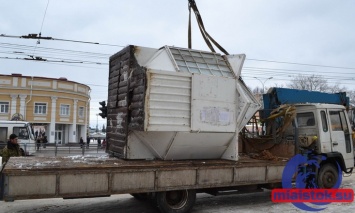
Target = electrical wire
(44,16)
(37,58)
(287,80)
(285,74)
(278,75)
(302,64)
(40,31)
(293,70)
(35,36)
(55,50)
(60,64)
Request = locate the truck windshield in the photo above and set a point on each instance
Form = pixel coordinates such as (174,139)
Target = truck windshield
(21,132)
(305,119)
(30,131)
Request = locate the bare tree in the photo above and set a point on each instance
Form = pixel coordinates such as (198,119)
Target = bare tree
(315,83)
(279,85)
(351,95)
(337,88)
(257,90)
(312,83)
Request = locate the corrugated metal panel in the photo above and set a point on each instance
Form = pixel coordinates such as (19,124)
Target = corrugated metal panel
(168,101)
(136,96)
(126,99)
(117,103)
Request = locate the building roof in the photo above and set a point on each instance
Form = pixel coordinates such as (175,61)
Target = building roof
(41,77)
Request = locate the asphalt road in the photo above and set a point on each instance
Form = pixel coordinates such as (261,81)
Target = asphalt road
(128,204)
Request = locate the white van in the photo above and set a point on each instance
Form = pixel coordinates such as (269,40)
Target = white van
(24,132)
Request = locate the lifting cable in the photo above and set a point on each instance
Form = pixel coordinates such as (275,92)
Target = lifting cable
(208,39)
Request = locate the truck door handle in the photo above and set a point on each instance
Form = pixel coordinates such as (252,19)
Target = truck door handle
(335,144)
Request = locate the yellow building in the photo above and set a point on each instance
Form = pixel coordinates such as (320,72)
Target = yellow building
(60,107)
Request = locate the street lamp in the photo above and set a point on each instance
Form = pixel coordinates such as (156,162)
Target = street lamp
(263,82)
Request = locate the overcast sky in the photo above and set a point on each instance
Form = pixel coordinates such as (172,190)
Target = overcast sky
(319,33)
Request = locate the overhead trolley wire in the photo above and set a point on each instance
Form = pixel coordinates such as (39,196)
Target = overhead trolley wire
(64,60)
(292,70)
(54,50)
(36,36)
(302,64)
(37,58)
(40,31)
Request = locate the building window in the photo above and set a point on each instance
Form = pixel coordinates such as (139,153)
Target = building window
(81,112)
(64,110)
(4,107)
(41,108)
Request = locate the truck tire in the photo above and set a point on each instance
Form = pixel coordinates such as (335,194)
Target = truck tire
(141,196)
(180,201)
(327,176)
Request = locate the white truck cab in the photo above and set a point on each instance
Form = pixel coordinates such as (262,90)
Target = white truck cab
(325,129)
(24,132)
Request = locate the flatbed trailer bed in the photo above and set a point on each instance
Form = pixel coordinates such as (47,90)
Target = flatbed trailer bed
(88,176)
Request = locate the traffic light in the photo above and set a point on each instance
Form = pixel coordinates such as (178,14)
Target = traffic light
(103,109)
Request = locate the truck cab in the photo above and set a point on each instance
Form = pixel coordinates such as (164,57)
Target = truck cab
(326,130)
(24,132)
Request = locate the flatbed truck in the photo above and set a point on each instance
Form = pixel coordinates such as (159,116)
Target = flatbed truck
(173,184)
(174,126)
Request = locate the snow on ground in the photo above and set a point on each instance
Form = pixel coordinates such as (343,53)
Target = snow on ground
(256,202)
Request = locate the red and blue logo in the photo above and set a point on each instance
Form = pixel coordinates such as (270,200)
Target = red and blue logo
(306,189)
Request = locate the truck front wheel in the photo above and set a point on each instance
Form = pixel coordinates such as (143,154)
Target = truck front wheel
(327,176)
(180,201)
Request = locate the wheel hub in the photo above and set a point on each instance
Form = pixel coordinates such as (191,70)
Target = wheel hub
(176,199)
(329,180)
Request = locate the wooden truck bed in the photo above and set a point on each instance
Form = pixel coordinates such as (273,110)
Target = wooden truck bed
(87,176)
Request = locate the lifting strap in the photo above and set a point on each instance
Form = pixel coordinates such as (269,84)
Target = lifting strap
(189,31)
(203,31)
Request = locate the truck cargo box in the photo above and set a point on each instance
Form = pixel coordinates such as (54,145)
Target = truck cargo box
(175,103)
